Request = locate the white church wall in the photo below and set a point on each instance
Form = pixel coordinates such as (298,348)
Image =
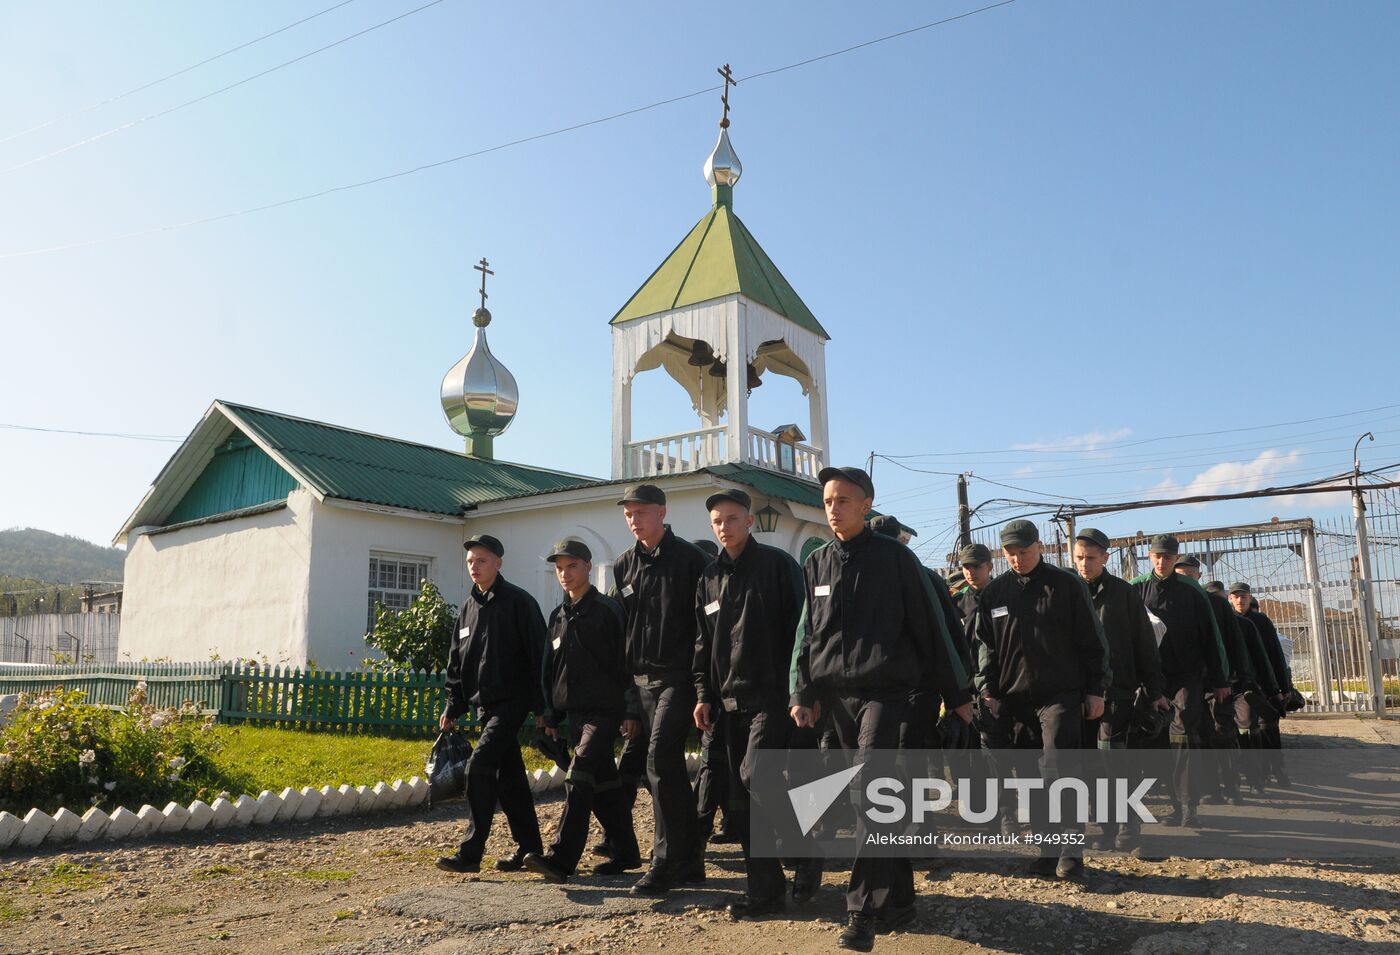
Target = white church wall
(346,536)
(235,589)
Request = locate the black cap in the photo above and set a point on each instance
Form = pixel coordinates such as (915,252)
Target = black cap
(708,546)
(1020,533)
(1215,587)
(1239,587)
(1190,560)
(1093,535)
(487,541)
(887,525)
(1164,544)
(729,494)
(568,547)
(643,494)
(974,554)
(855,475)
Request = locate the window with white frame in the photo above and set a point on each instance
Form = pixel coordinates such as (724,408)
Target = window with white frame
(394,581)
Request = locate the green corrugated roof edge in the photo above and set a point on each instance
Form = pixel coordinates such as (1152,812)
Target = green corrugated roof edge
(357,466)
(718,257)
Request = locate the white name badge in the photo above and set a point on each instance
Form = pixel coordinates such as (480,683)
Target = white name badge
(557,641)
(464,632)
(999,612)
(821,590)
(626,590)
(712,607)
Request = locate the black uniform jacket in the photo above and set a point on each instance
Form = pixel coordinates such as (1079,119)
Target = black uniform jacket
(657,589)
(1263,669)
(1268,636)
(746,611)
(1189,647)
(1038,636)
(497,653)
(871,625)
(585,664)
(1227,623)
(1132,644)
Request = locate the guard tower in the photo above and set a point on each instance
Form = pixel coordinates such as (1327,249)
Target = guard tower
(717,315)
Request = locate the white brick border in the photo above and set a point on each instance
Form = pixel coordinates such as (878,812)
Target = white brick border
(38,828)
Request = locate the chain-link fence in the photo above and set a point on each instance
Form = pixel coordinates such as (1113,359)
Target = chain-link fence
(1307,577)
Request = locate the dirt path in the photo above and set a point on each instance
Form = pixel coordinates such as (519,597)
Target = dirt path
(345,887)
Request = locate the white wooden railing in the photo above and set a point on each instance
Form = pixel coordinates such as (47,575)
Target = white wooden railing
(677,453)
(762,448)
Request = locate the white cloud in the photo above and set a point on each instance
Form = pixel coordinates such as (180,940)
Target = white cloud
(1231,477)
(1092,441)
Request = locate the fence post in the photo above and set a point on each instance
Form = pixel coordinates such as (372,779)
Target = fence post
(1368,602)
(1321,651)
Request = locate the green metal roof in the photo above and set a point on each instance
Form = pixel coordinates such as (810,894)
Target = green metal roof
(355,466)
(719,257)
(771,483)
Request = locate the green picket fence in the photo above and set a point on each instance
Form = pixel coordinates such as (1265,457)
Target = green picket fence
(349,701)
(110,684)
(322,700)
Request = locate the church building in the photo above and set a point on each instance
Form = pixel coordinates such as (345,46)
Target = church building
(269,535)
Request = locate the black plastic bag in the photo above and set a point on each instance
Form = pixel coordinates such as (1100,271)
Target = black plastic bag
(447,766)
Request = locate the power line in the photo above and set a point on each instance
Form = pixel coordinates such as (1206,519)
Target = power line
(94,434)
(155,230)
(223,89)
(1117,445)
(170,76)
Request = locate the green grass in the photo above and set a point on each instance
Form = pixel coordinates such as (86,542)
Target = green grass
(214,872)
(68,876)
(252,759)
(9,912)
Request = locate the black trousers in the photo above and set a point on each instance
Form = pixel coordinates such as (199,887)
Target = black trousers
(1223,735)
(712,781)
(1186,694)
(863,724)
(496,771)
(746,732)
(670,710)
(1108,733)
(1058,723)
(591,786)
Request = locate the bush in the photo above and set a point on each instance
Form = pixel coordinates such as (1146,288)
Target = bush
(58,751)
(416,638)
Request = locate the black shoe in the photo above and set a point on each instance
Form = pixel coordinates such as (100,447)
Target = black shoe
(1010,831)
(455,863)
(1237,800)
(1190,818)
(747,908)
(805,884)
(1102,842)
(1043,868)
(513,862)
(1282,779)
(1126,840)
(724,837)
(1213,799)
(893,918)
(616,866)
(545,866)
(655,883)
(604,849)
(859,934)
(691,873)
(1070,869)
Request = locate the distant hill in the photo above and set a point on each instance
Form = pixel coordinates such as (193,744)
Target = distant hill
(39,555)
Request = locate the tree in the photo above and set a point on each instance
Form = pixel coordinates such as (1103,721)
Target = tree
(416,638)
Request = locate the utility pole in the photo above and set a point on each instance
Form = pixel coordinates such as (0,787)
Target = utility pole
(964,515)
(1363,565)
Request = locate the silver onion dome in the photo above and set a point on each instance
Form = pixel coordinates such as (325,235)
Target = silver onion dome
(479,394)
(723,168)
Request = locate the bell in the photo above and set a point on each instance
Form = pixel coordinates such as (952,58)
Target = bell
(754,380)
(700,354)
(718,370)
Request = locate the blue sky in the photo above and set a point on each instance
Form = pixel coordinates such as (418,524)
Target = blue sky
(1048,232)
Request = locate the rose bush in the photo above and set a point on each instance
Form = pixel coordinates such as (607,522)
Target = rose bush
(59,751)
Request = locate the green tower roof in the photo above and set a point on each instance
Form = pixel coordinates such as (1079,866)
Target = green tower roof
(719,257)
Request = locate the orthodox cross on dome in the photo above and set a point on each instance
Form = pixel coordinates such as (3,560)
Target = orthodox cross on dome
(482,268)
(729,81)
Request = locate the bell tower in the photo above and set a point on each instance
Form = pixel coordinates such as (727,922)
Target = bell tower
(717,315)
